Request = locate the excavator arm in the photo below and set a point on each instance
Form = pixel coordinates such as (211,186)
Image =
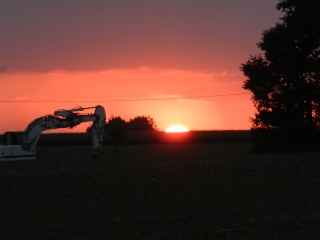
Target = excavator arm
(66,119)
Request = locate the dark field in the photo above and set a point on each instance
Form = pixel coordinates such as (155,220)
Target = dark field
(165,191)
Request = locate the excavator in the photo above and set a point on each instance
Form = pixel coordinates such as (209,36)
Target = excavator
(21,145)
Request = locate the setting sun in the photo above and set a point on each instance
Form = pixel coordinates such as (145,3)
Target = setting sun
(176,128)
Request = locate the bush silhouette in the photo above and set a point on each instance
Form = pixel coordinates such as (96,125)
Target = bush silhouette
(142,123)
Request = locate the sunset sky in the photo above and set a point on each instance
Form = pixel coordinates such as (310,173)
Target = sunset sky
(174,60)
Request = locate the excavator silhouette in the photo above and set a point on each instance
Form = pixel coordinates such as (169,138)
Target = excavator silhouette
(21,145)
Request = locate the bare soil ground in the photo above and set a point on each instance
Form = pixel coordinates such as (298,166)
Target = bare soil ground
(177,191)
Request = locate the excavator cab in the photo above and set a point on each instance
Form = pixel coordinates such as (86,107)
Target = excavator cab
(11,149)
(12,138)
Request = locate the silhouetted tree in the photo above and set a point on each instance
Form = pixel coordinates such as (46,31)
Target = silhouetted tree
(117,128)
(285,78)
(142,123)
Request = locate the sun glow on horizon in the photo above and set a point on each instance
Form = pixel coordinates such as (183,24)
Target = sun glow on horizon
(176,129)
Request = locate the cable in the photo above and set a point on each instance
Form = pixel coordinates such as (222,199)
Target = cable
(125,100)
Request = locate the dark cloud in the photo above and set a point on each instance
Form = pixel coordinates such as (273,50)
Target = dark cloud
(44,35)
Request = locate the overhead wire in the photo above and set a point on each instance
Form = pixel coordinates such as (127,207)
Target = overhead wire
(124,100)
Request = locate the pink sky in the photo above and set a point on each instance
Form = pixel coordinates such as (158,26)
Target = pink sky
(130,58)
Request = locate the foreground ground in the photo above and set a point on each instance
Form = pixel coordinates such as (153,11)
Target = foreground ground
(177,191)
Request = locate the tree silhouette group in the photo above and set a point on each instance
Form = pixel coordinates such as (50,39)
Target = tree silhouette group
(117,128)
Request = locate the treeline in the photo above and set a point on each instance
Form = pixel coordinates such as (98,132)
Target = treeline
(148,137)
(139,123)
(117,128)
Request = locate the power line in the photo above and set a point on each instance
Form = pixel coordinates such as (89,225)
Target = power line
(124,100)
